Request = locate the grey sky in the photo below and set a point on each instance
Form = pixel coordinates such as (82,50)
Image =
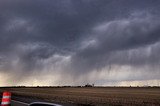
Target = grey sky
(69,40)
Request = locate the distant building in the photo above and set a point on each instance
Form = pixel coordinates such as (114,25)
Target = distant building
(89,85)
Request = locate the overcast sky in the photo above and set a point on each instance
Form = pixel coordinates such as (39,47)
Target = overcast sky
(74,42)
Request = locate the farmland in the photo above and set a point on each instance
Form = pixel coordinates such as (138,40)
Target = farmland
(92,96)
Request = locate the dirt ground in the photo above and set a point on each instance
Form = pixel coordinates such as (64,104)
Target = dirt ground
(93,96)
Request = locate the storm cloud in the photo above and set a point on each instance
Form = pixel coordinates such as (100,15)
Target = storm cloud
(68,42)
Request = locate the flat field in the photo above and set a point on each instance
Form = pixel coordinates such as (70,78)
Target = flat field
(93,96)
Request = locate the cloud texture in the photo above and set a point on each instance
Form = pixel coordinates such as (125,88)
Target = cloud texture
(68,42)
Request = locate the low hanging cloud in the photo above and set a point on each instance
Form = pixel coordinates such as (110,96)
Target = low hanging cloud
(114,43)
(71,42)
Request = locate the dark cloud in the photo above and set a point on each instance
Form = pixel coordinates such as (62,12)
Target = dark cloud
(119,36)
(82,36)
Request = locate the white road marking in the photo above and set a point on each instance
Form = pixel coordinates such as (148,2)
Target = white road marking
(45,103)
(20,102)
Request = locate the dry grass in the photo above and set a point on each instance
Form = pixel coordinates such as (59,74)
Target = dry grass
(99,96)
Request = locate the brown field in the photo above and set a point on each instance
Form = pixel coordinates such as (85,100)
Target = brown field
(96,96)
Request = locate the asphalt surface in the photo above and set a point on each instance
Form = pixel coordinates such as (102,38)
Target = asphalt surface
(25,101)
(18,103)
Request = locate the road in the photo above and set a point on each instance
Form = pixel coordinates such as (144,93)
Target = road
(18,103)
(23,101)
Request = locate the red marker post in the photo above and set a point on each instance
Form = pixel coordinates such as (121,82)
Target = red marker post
(6,99)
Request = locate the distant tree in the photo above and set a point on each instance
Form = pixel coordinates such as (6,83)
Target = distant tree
(89,85)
